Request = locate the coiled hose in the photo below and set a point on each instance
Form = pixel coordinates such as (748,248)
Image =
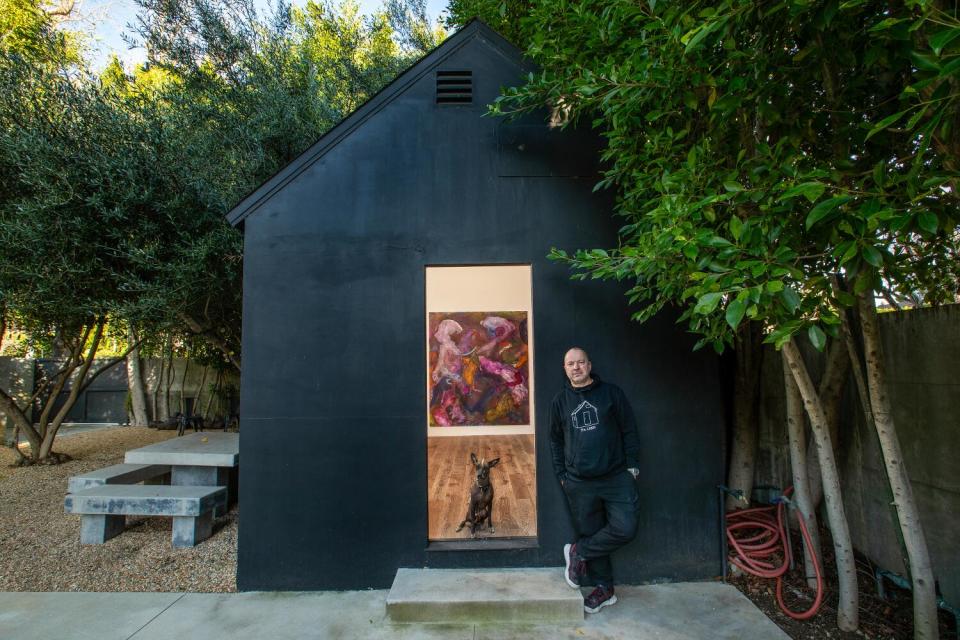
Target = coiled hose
(760,546)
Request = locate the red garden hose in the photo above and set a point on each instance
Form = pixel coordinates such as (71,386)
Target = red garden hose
(756,536)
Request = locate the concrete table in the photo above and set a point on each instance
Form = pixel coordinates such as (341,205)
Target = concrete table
(201,459)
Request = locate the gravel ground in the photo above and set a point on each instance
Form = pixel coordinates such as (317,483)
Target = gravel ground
(40,546)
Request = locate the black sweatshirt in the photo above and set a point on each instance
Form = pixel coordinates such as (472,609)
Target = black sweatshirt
(593,433)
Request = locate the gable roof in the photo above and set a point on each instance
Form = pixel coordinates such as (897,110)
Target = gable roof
(472,30)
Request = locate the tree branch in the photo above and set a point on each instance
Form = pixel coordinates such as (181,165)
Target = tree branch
(62,10)
(109,363)
(10,408)
(3,324)
(78,377)
(61,379)
(890,299)
(211,337)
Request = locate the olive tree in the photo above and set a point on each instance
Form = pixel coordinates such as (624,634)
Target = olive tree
(59,215)
(114,186)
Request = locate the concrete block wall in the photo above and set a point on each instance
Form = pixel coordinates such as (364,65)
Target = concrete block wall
(187,387)
(17,378)
(922,351)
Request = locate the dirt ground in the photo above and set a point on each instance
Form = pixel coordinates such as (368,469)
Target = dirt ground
(886,619)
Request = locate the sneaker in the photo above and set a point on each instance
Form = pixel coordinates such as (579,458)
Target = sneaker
(575,565)
(598,599)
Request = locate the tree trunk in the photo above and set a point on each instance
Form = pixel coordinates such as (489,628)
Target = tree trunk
(743,454)
(3,324)
(796,433)
(921,572)
(155,396)
(213,394)
(830,390)
(847,608)
(20,420)
(170,372)
(15,447)
(77,368)
(161,380)
(138,400)
(73,361)
(79,377)
(183,386)
(163,411)
(203,381)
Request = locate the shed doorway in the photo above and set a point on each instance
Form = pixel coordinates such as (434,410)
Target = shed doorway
(480,404)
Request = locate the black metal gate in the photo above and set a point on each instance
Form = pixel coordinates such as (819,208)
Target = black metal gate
(104,401)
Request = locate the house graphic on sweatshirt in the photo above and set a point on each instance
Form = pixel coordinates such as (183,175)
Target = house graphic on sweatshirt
(585,417)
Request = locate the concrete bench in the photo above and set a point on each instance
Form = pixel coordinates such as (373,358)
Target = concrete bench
(103,510)
(117,474)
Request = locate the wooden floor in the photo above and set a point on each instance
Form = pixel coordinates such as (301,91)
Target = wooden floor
(450,475)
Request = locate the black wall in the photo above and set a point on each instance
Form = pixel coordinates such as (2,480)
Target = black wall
(333,390)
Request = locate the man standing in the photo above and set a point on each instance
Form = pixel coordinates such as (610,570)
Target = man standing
(595,447)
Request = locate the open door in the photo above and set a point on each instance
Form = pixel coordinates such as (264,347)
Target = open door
(480,401)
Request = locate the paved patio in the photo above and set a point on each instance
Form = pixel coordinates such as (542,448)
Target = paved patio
(680,611)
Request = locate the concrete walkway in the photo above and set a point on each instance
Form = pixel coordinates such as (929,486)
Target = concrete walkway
(682,611)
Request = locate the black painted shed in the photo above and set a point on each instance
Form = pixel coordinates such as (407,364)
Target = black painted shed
(335,393)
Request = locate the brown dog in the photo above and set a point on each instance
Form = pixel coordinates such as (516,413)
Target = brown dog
(480,507)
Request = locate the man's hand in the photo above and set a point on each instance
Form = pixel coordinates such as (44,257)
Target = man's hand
(634,472)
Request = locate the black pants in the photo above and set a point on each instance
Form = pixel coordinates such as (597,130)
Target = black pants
(605,515)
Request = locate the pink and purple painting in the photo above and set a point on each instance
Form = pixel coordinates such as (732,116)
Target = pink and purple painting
(479,373)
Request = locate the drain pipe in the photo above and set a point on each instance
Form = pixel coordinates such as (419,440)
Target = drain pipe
(723,492)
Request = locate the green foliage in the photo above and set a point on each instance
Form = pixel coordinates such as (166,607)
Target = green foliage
(58,208)
(760,149)
(113,187)
(235,99)
(411,28)
(27,33)
(506,16)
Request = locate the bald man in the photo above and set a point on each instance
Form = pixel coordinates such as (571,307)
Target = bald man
(596,450)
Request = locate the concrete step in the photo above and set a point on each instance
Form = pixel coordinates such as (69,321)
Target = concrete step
(483,595)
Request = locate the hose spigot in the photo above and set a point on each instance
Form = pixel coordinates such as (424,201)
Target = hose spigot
(737,494)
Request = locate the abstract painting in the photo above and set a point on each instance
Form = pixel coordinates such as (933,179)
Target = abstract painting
(479,370)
